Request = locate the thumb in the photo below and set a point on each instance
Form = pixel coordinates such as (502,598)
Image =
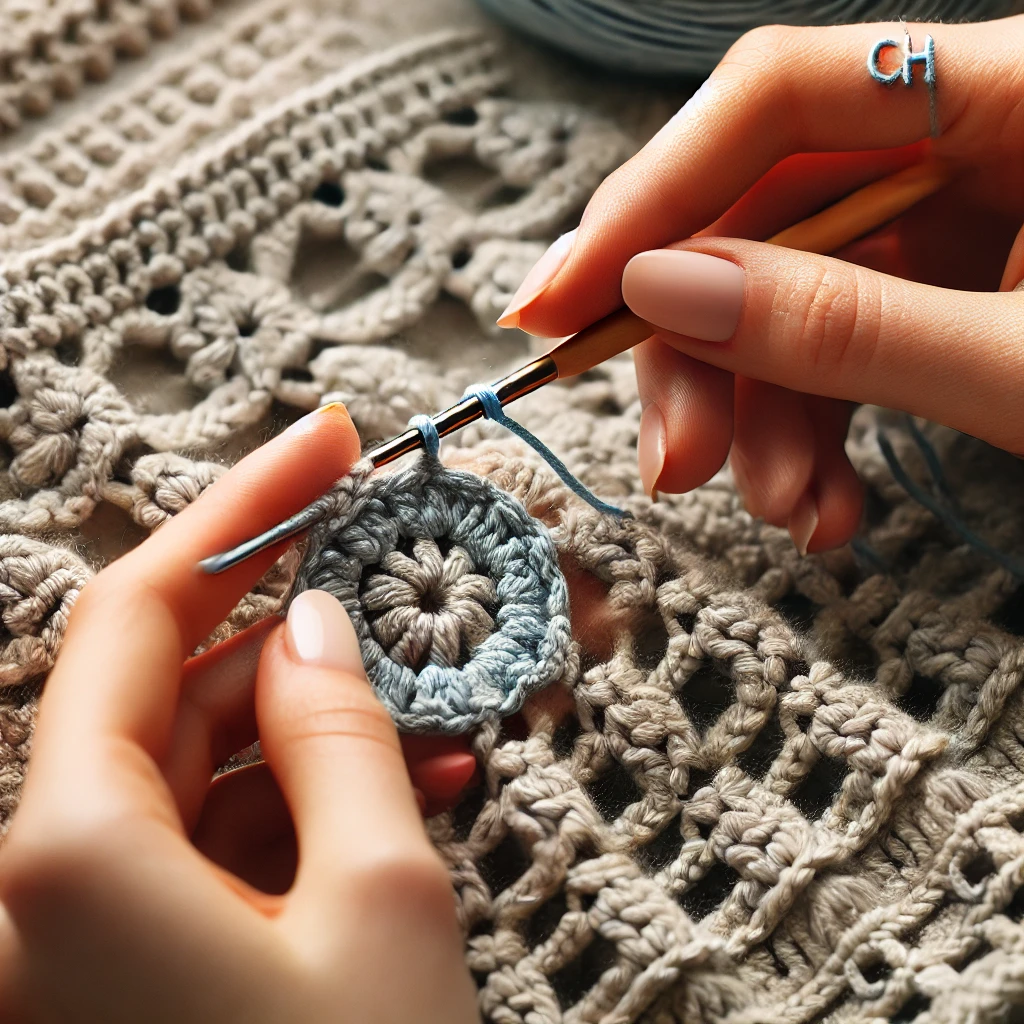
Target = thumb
(335,753)
(819,325)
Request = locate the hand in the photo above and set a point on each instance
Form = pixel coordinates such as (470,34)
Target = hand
(130,890)
(764,348)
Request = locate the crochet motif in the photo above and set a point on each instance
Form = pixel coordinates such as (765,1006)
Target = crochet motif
(762,788)
(455,593)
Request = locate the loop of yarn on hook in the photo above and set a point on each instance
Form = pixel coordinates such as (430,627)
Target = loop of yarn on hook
(453,588)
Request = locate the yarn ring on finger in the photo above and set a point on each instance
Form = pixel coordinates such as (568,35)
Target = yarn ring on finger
(454,590)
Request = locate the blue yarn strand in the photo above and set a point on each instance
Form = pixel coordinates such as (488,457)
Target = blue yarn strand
(431,438)
(944,514)
(493,411)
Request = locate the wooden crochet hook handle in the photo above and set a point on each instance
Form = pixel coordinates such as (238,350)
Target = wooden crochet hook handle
(851,218)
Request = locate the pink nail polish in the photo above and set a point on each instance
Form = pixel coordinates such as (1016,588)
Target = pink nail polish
(688,293)
(540,276)
(319,632)
(651,446)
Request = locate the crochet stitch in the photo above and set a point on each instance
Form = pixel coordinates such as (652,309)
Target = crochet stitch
(764,788)
(454,591)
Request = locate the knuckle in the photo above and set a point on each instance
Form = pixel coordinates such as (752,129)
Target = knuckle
(831,319)
(412,882)
(42,868)
(353,714)
(758,51)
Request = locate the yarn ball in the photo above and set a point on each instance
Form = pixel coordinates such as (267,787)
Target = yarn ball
(453,588)
(689,37)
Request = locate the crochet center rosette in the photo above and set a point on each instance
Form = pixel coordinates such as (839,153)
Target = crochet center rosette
(454,590)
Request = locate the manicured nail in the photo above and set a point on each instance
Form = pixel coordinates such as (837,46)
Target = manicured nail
(311,419)
(803,521)
(539,277)
(319,632)
(688,293)
(651,445)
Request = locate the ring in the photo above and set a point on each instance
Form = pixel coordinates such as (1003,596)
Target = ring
(905,71)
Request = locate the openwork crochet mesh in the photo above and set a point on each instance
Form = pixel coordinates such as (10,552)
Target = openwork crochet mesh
(762,788)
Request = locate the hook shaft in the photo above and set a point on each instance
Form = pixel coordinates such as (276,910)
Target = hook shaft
(517,384)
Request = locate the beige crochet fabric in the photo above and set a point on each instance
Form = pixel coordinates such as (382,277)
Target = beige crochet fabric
(769,788)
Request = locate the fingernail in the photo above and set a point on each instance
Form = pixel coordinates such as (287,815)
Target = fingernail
(650,448)
(319,632)
(803,521)
(688,293)
(312,419)
(539,277)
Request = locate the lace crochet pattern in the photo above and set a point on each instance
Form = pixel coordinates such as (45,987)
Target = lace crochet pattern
(760,787)
(455,593)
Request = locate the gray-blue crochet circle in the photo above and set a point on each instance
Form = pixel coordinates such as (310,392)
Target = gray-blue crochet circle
(372,516)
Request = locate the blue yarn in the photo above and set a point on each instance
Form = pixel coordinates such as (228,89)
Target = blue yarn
(944,513)
(493,411)
(371,517)
(431,438)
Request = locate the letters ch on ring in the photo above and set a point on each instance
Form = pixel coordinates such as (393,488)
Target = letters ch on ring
(906,72)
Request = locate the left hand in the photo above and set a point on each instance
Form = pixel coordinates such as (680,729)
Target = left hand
(133,890)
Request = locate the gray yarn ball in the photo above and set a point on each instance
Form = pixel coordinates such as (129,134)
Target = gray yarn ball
(688,37)
(454,590)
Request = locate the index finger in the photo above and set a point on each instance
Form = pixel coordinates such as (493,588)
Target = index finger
(779,91)
(118,675)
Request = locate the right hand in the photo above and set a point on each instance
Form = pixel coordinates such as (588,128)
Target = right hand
(766,362)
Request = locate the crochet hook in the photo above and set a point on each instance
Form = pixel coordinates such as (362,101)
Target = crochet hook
(858,214)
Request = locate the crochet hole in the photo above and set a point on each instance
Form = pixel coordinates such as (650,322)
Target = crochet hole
(329,193)
(1014,910)
(164,300)
(505,195)
(464,116)
(613,791)
(980,951)
(573,981)
(707,895)
(297,373)
(766,746)
(463,177)
(877,970)
(798,610)
(504,865)
(979,867)
(563,740)
(911,1009)
(704,696)
(540,925)
(374,163)
(460,259)
(921,698)
(815,794)
(650,643)
(1010,616)
(8,390)
(663,849)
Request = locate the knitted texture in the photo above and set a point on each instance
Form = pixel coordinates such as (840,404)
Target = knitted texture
(455,593)
(761,787)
